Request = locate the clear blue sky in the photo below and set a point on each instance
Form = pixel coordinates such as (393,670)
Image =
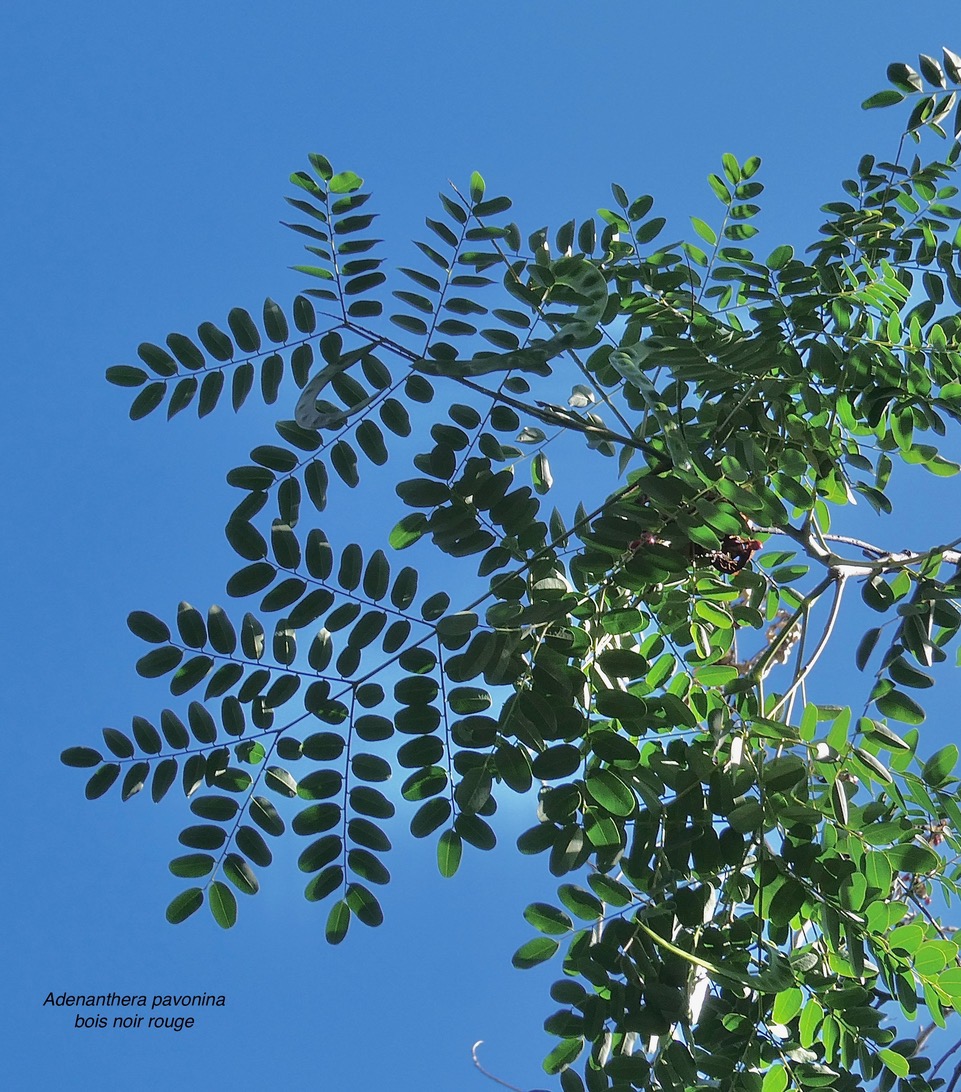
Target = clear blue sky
(146,150)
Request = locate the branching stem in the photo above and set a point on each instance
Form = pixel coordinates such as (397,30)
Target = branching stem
(838,578)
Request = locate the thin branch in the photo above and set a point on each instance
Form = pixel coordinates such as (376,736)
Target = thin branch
(490,1076)
(839,579)
(947,1054)
(886,559)
(557,415)
(758,670)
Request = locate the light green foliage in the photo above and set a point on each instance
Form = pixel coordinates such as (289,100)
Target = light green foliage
(746,873)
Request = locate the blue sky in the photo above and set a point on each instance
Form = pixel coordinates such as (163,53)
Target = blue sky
(146,155)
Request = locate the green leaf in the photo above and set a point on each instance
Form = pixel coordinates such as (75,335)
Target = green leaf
(190,623)
(192,866)
(158,662)
(245,332)
(271,374)
(368,801)
(547,919)
(581,903)
(646,233)
(185,351)
(731,168)
(491,207)
(541,475)
(203,836)
(905,673)
(81,757)
(324,883)
(363,903)
(324,746)
(252,845)
(210,391)
(429,816)
(123,375)
(366,834)
(345,182)
(950,981)
(320,853)
(149,399)
(165,774)
(157,360)
(338,921)
(251,579)
(147,627)
(135,779)
(720,189)
(940,766)
(317,819)
(875,766)
(240,874)
(408,531)
(215,341)
(556,762)
(223,905)
(241,385)
(475,831)
(883,735)
(245,539)
(320,785)
(779,257)
(611,792)
(280,781)
(101,781)
(193,773)
(904,77)
(343,458)
(866,647)
(450,849)
(706,232)
(900,707)
(186,903)
(623,663)
(266,816)
(275,322)
(422,493)
(194,671)
(220,808)
(882,98)
(776,1079)
(611,891)
(533,952)
(896,1063)
(321,165)
(226,676)
(117,743)
(367,767)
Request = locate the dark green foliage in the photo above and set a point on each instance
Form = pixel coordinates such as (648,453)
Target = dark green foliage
(745,874)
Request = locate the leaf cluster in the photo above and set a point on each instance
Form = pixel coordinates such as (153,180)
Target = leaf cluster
(745,874)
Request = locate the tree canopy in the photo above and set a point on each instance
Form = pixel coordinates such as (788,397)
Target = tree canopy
(750,879)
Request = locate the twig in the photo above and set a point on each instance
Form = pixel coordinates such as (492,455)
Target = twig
(839,581)
(758,670)
(885,558)
(947,1054)
(473,1054)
